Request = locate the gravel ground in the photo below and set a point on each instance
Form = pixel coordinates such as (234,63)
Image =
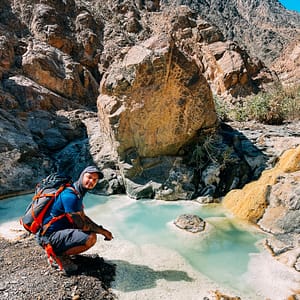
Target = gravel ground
(25,274)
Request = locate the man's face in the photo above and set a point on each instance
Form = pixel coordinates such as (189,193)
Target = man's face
(90,180)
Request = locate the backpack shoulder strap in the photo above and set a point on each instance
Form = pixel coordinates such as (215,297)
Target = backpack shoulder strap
(54,219)
(41,193)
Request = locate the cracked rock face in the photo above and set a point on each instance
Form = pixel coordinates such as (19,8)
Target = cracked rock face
(160,100)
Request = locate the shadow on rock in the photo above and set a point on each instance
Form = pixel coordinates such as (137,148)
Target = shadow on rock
(93,265)
(130,277)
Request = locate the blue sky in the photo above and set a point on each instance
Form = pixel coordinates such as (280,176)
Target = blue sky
(291,4)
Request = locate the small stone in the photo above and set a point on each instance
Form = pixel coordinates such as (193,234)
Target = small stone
(191,223)
(3,286)
(205,200)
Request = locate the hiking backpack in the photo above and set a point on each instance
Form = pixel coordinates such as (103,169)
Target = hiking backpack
(45,194)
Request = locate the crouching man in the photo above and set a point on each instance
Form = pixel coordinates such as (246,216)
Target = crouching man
(67,230)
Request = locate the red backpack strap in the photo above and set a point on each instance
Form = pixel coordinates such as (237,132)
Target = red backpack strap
(54,219)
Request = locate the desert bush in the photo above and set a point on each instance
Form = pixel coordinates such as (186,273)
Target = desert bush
(273,107)
(276,106)
(222,109)
(265,108)
(205,152)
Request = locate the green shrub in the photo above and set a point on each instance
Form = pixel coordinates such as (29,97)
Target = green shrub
(222,109)
(239,113)
(265,108)
(272,107)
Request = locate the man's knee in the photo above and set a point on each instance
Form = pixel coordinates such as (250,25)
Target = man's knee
(92,239)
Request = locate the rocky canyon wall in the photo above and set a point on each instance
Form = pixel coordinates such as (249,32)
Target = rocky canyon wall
(157,69)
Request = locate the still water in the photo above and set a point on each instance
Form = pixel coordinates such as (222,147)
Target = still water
(222,254)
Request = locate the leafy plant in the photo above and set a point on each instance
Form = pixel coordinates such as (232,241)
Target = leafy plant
(222,109)
(272,107)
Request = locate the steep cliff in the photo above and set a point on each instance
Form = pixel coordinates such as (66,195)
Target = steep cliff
(287,65)
(128,86)
(263,27)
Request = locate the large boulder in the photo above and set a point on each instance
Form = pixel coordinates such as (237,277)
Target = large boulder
(155,100)
(152,103)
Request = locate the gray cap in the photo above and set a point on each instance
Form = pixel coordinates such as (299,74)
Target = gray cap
(93,169)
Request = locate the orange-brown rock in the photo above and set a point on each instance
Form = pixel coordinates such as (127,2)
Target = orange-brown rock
(228,68)
(89,35)
(50,25)
(66,26)
(58,72)
(250,202)
(287,66)
(155,100)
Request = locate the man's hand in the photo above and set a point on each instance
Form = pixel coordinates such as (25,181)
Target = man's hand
(107,234)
